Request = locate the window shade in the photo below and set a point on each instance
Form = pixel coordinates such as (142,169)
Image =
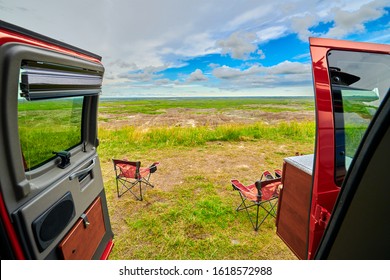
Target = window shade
(55,81)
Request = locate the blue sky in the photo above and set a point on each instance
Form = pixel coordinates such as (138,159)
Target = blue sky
(203,48)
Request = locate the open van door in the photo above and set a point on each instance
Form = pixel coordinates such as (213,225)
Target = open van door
(342,200)
(52,199)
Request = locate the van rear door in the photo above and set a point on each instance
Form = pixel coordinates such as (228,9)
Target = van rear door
(351,83)
(52,203)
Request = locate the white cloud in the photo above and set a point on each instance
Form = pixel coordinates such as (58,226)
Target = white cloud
(301,25)
(272,32)
(288,67)
(197,76)
(284,73)
(283,68)
(239,45)
(146,74)
(347,21)
(250,13)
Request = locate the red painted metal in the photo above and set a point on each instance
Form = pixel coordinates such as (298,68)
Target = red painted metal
(13,238)
(325,190)
(7,36)
(107,250)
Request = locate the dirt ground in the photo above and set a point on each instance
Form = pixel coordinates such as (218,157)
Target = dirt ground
(186,117)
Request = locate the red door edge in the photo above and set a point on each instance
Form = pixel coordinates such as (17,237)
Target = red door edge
(10,231)
(107,250)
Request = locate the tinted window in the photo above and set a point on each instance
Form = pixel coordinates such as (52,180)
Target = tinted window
(359,83)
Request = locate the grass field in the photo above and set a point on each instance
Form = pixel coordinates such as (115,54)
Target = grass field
(190,214)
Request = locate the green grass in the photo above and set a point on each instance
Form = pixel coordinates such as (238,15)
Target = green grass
(186,227)
(114,140)
(194,222)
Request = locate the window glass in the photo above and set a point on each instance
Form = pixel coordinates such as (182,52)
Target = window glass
(47,126)
(360,81)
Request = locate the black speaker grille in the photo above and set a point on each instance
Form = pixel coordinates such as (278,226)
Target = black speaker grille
(53,221)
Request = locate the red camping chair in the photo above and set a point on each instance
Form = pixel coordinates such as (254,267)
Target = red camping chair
(262,193)
(129,174)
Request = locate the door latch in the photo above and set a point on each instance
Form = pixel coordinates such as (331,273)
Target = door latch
(65,158)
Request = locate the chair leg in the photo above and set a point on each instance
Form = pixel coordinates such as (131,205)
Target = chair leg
(117,186)
(269,212)
(256,224)
(245,207)
(140,191)
(147,182)
(128,186)
(257,218)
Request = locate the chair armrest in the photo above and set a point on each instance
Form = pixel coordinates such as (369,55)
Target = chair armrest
(237,184)
(249,192)
(153,167)
(241,187)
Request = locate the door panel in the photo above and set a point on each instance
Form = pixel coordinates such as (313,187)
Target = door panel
(82,196)
(48,103)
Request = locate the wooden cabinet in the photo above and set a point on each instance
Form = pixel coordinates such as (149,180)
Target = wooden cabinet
(294,203)
(83,239)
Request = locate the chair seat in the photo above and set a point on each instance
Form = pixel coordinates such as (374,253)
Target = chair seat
(262,193)
(268,191)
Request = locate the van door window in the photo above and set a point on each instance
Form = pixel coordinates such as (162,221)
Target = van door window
(47,126)
(359,81)
(50,108)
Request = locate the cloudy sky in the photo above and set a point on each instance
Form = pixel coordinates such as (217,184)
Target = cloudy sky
(202,47)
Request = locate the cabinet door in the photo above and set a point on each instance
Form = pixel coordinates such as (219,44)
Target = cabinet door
(294,203)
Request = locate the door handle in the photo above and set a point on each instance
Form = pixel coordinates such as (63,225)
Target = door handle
(83,171)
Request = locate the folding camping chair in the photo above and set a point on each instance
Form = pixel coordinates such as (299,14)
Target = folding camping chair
(130,174)
(262,193)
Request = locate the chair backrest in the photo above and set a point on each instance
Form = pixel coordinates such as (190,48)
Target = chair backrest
(129,169)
